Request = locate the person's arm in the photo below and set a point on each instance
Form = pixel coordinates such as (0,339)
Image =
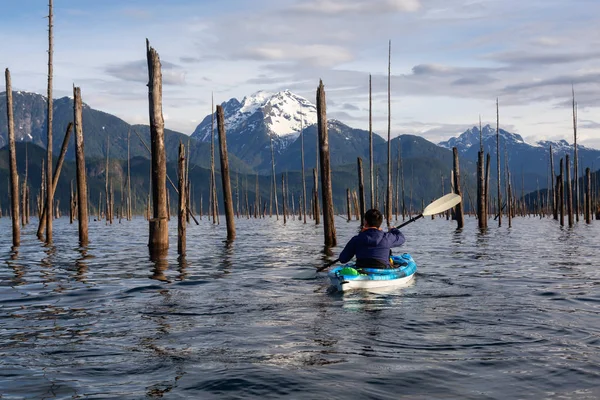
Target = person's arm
(349,251)
(396,237)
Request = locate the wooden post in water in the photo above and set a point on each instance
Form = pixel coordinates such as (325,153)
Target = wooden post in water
(71,203)
(361,190)
(303,176)
(274,178)
(50,188)
(181,211)
(82,190)
(458,210)
(389,201)
(588,196)
(158,240)
(315,199)
(14,176)
(509,201)
(498,162)
(487,185)
(326,192)
(561,194)
(348,209)
(371,183)
(106,193)
(575,160)
(553,175)
(481,195)
(213,183)
(128,177)
(569,191)
(229,217)
(402,178)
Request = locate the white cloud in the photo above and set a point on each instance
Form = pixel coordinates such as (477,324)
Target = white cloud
(315,55)
(357,6)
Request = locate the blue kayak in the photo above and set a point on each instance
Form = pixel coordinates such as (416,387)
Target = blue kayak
(346,277)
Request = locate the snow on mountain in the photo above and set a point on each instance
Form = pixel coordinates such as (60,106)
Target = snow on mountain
(472,137)
(558,145)
(281,113)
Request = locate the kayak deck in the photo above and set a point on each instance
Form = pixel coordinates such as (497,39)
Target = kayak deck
(346,277)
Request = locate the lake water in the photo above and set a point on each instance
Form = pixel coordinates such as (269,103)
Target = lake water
(511,314)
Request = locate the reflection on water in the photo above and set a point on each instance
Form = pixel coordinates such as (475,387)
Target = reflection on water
(505,313)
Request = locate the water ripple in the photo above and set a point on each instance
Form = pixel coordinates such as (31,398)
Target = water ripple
(511,313)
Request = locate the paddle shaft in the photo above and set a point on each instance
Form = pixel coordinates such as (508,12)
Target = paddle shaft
(413,219)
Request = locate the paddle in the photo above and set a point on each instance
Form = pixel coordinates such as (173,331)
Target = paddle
(442,204)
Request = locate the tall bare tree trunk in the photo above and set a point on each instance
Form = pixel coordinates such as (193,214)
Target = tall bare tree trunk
(561,194)
(181,212)
(213,183)
(128,177)
(553,175)
(498,162)
(388,208)
(575,158)
(159,226)
(488,160)
(49,189)
(229,217)
(106,193)
(14,175)
(509,201)
(398,181)
(458,210)
(569,191)
(326,192)
(274,178)
(303,176)
(82,190)
(482,219)
(372,185)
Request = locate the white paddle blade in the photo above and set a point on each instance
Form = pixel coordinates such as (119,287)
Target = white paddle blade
(442,204)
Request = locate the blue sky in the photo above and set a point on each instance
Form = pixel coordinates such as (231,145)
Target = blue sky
(450,58)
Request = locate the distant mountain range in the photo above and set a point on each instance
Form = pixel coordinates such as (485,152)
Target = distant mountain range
(528,160)
(30,126)
(287,119)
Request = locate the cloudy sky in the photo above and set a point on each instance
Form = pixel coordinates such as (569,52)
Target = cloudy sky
(450,58)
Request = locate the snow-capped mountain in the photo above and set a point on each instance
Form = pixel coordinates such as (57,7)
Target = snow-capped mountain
(471,137)
(282,115)
(530,159)
(278,118)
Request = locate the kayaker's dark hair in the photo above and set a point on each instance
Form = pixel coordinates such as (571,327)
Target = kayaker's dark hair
(374,218)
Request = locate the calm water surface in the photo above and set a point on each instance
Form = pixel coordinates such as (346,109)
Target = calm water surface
(514,313)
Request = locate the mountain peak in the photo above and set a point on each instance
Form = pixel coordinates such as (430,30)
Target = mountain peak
(472,137)
(281,114)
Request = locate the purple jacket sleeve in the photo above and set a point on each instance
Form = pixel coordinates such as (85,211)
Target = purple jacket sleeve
(396,237)
(348,252)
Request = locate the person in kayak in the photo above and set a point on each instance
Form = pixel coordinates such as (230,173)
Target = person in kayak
(372,246)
